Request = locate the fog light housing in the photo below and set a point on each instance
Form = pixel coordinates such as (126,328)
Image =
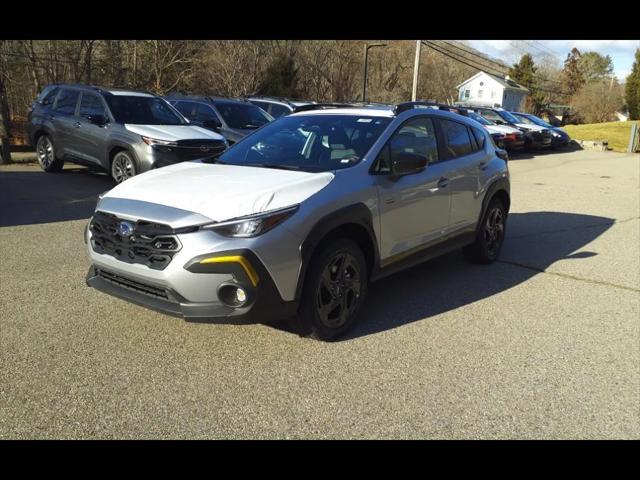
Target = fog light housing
(233,295)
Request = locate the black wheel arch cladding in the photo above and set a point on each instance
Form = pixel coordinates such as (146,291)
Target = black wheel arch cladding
(354,222)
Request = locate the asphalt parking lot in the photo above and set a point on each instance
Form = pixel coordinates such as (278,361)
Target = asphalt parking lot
(544,343)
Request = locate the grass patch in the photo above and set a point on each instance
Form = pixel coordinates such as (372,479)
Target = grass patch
(616,133)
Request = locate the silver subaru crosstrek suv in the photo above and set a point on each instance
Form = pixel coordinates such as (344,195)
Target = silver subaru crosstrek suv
(298,217)
(124,132)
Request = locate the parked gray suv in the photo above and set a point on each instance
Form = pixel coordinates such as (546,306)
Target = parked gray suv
(121,131)
(297,218)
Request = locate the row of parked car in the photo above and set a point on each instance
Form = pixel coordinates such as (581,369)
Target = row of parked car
(127,132)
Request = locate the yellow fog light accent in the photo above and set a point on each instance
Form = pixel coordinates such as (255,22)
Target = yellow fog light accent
(248,268)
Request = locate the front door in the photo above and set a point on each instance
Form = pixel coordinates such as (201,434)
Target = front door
(91,138)
(414,209)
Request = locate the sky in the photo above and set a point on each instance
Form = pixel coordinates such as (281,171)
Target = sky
(621,51)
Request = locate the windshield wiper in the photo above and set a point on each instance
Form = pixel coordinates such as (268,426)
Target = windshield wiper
(274,165)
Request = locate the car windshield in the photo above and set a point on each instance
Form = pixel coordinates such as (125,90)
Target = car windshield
(139,110)
(537,121)
(315,143)
(242,115)
(508,117)
(524,119)
(480,119)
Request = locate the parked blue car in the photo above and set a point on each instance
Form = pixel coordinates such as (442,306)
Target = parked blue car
(559,138)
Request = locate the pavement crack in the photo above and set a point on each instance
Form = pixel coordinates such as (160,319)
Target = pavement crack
(572,277)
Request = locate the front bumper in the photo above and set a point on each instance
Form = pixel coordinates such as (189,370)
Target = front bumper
(264,303)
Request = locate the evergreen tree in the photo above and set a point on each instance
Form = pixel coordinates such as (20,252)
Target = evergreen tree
(632,89)
(594,66)
(280,77)
(572,75)
(524,72)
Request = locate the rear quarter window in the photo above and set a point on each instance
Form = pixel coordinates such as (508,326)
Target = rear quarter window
(480,138)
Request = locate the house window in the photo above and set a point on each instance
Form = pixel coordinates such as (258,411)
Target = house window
(466,93)
(479,93)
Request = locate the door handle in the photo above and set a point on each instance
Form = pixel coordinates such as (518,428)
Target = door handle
(443,182)
(77,124)
(483,165)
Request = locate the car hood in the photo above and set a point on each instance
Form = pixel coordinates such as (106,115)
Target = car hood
(533,128)
(501,129)
(218,192)
(173,133)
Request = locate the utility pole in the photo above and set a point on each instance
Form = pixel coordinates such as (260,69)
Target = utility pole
(367,46)
(416,70)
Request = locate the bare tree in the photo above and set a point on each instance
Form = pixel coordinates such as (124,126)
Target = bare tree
(5,123)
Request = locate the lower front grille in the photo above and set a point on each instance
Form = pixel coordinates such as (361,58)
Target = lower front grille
(132,284)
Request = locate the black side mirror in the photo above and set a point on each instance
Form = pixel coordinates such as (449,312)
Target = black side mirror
(406,163)
(213,124)
(99,120)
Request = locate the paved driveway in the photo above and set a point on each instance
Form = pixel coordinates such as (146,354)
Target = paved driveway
(543,344)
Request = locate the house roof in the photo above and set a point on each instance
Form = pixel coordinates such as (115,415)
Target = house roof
(507,83)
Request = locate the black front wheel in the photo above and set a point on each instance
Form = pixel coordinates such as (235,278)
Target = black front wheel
(334,291)
(490,234)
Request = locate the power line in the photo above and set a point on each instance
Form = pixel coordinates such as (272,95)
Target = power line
(477,55)
(28,57)
(450,54)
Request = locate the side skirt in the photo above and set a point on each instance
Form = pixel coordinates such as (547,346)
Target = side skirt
(406,260)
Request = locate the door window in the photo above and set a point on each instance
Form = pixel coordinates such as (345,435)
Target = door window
(91,105)
(205,112)
(186,109)
(279,110)
(457,139)
(66,102)
(416,136)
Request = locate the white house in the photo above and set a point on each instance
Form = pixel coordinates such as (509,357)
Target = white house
(491,90)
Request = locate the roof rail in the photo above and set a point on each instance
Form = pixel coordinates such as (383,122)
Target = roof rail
(403,107)
(322,106)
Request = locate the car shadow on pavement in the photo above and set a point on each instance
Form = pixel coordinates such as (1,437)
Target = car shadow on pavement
(535,240)
(33,197)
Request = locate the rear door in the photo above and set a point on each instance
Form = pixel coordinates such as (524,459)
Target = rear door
(465,160)
(63,117)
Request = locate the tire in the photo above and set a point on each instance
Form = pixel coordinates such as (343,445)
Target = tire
(331,302)
(490,234)
(46,154)
(123,166)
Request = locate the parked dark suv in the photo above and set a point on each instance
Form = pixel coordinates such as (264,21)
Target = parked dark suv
(122,131)
(232,118)
(278,106)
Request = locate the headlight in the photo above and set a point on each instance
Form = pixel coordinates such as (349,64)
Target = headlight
(155,141)
(251,225)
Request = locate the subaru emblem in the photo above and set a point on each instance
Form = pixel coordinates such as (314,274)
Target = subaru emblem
(125,229)
(204,148)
